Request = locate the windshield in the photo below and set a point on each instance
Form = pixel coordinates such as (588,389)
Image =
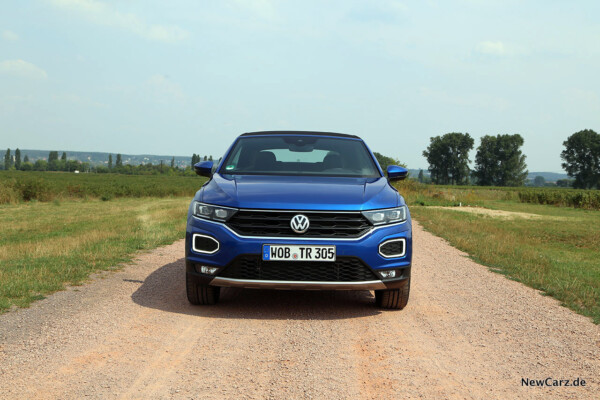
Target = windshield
(300,155)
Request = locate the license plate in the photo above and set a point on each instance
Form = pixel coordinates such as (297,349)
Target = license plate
(286,252)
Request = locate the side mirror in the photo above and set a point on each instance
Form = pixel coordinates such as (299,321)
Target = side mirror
(204,168)
(396,173)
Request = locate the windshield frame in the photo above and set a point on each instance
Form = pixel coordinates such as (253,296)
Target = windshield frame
(222,171)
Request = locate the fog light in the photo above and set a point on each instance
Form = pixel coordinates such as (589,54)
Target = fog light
(208,270)
(388,274)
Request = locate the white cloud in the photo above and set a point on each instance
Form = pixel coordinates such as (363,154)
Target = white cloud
(492,48)
(22,69)
(165,90)
(465,100)
(9,36)
(501,49)
(104,14)
(75,99)
(264,9)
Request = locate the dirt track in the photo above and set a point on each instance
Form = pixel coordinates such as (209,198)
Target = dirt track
(466,333)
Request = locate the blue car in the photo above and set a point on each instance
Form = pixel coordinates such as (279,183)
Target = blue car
(299,211)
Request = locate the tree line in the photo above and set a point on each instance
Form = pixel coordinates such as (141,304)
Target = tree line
(499,160)
(54,163)
(148,168)
(116,165)
(196,159)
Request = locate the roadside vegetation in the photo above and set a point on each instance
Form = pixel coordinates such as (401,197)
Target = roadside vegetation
(45,246)
(18,186)
(417,193)
(553,248)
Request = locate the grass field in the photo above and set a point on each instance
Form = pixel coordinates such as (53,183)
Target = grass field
(416,193)
(45,246)
(17,186)
(553,249)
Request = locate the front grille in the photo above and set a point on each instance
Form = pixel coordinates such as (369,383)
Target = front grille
(277,223)
(344,269)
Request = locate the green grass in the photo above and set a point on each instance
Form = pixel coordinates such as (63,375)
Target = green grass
(446,195)
(18,186)
(556,251)
(45,246)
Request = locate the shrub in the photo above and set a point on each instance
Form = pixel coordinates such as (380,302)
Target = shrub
(9,195)
(34,189)
(587,199)
(18,186)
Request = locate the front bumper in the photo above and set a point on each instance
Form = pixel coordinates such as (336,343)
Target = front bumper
(296,285)
(365,248)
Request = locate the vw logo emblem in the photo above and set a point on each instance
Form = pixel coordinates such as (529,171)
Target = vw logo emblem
(300,223)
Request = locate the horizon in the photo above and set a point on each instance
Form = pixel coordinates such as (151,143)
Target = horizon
(169,156)
(150,78)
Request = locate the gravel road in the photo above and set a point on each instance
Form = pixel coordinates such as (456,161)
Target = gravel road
(467,333)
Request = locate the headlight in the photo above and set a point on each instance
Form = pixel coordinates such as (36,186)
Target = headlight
(386,216)
(215,213)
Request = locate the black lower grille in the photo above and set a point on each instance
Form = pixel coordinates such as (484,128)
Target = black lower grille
(277,223)
(344,269)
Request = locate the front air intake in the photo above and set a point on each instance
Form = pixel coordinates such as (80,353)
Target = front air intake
(204,244)
(393,248)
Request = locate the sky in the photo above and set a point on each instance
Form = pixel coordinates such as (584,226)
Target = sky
(183,77)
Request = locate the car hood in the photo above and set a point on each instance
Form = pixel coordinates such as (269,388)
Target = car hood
(299,192)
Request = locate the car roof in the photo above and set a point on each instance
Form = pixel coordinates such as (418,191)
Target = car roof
(311,133)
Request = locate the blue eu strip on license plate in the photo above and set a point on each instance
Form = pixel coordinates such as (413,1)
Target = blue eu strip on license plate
(273,252)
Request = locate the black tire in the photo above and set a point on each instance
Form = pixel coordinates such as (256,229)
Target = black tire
(201,294)
(393,298)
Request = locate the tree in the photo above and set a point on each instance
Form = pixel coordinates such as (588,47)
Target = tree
(74,165)
(119,162)
(18,159)
(564,183)
(173,162)
(205,158)
(448,158)
(421,176)
(64,156)
(110,161)
(500,162)
(196,159)
(52,161)
(539,181)
(385,161)
(40,165)
(582,158)
(26,159)
(7,160)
